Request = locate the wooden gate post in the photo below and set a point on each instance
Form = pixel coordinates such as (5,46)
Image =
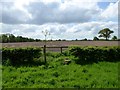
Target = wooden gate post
(61,49)
(44,51)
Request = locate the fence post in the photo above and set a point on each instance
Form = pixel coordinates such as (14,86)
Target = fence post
(61,49)
(44,51)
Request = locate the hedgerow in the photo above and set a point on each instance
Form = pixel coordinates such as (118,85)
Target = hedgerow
(95,54)
(20,55)
(83,55)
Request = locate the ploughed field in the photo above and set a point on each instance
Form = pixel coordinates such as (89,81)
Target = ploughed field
(62,43)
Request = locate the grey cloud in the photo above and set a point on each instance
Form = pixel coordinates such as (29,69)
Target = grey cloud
(46,13)
(10,19)
(7,13)
(42,13)
(6,28)
(77,31)
(55,31)
(58,29)
(12,15)
(62,29)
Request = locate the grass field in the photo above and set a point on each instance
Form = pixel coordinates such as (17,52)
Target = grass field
(57,75)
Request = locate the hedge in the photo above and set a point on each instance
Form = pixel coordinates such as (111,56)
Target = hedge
(95,54)
(20,55)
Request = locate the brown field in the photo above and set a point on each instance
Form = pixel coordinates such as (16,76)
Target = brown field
(62,43)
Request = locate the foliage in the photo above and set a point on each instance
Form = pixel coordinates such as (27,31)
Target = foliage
(17,56)
(114,38)
(5,38)
(95,38)
(82,55)
(84,39)
(95,54)
(55,74)
(105,33)
(100,75)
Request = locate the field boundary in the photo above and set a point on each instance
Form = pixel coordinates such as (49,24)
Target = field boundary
(61,48)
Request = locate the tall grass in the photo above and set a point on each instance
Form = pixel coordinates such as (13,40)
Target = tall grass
(57,75)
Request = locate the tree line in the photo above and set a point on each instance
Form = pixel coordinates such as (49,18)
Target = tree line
(6,38)
(104,33)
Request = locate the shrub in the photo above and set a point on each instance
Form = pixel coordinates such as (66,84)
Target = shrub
(20,55)
(95,54)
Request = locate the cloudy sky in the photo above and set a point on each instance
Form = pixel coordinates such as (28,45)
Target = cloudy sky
(64,19)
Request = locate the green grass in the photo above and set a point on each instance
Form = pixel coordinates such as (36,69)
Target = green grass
(57,75)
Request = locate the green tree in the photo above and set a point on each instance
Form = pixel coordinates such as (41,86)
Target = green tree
(84,39)
(95,38)
(4,38)
(114,38)
(19,38)
(76,39)
(12,38)
(105,33)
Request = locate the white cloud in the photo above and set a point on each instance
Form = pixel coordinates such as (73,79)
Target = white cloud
(52,11)
(48,1)
(42,12)
(62,31)
(111,12)
(69,20)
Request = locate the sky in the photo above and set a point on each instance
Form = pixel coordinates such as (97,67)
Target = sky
(63,19)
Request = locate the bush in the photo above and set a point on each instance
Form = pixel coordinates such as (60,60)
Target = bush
(95,54)
(20,55)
